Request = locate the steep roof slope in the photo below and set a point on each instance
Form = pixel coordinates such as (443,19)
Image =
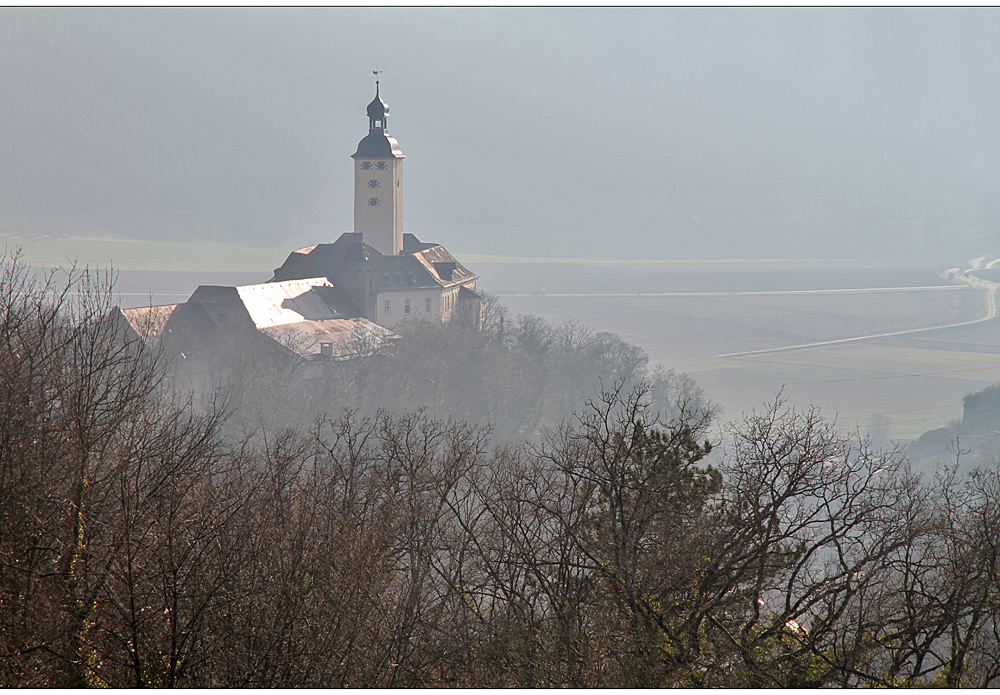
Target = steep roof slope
(310,317)
(421,265)
(303,315)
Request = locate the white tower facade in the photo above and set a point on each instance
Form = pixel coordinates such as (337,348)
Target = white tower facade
(378,183)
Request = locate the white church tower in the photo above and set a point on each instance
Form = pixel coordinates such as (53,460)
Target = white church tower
(378,192)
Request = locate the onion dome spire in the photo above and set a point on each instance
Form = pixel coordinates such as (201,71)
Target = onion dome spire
(378,144)
(378,110)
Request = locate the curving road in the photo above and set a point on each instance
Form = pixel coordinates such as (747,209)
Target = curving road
(963,277)
(754,293)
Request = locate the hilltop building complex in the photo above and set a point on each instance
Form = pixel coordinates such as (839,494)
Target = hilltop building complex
(389,276)
(326,299)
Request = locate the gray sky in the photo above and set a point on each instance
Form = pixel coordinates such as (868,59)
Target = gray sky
(585,133)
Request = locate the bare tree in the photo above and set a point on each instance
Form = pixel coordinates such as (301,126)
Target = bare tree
(146,540)
(74,375)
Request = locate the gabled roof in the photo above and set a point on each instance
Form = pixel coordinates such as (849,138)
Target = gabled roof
(340,336)
(278,303)
(320,259)
(402,272)
(445,266)
(300,315)
(421,265)
(303,315)
(465,293)
(412,243)
(149,321)
(191,332)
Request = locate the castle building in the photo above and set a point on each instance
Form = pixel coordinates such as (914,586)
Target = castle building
(388,276)
(329,301)
(221,333)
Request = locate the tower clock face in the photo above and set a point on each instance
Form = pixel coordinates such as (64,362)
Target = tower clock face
(373,201)
(366,165)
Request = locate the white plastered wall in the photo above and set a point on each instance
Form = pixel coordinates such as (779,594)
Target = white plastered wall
(381,223)
(397,302)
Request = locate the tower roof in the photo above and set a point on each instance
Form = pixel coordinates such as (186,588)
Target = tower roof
(378,109)
(378,144)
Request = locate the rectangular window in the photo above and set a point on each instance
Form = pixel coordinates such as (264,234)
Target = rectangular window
(388,308)
(427,306)
(406,306)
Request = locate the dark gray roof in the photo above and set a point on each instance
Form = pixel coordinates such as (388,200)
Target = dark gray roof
(319,260)
(465,293)
(378,109)
(378,145)
(190,332)
(402,272)
(297,316)
(445,266)
(412,244)
(420,264)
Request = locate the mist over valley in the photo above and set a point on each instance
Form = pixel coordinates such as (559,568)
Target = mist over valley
(682,368)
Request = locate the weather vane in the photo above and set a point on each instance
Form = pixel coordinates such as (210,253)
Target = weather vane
(376,72)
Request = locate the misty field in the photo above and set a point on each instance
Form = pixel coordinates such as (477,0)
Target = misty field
(527,276)
(894,392)
(53,250)
(896,387)
(678,328)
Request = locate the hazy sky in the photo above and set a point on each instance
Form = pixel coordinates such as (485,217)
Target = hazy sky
(596,133)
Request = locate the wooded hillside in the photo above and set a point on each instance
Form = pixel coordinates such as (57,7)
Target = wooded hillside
(483,541)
